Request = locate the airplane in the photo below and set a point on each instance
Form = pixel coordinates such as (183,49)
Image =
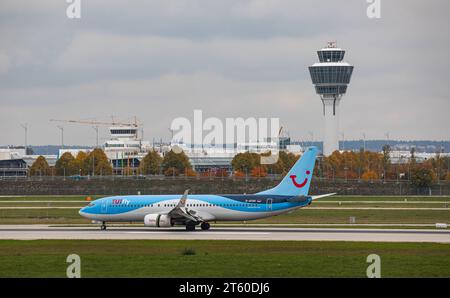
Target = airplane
(192,210)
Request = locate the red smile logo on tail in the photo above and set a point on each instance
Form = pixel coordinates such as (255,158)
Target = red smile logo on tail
(299,185)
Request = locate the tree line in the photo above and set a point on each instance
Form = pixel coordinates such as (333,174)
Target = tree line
(348,165)
(96,162)
(351,165)
(369,166)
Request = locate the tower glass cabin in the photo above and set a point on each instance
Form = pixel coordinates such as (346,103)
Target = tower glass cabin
(330,77)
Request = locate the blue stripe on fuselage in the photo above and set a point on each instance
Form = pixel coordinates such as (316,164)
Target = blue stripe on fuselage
(253,203)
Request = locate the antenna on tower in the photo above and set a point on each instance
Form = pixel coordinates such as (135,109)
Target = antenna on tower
(332,44)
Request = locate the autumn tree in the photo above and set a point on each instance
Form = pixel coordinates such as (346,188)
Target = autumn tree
(65,165)
(40,167)
(179,161)
(222,173)
(440,165)
(239,174)
(287,160)
(447,177)
(352,165)
(386,160)
(80,163)
(273,168)
(360,161)
(245,162)
(97,163)
(190,173)
(259,172)
(369,175)
(332,164)
(151,163)
(172,171)
(422,176)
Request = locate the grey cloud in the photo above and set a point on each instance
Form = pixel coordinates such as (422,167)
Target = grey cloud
(162,59)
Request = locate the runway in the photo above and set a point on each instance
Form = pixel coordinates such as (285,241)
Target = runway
(33,232)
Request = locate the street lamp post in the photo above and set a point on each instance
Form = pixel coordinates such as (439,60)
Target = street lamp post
(62,136)
(96,135)
(25,127)
(364,141)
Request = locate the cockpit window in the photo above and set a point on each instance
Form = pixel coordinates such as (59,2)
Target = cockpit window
(91,204)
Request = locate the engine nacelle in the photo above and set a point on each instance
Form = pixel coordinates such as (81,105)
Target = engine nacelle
(157,220)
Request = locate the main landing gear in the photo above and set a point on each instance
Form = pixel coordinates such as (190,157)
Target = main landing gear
(205,226)
(103,226)
(191,226)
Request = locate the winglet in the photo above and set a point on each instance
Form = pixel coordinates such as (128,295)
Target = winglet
(183,199)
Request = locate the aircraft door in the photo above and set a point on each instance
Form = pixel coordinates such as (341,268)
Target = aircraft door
(104,206)
(269,205)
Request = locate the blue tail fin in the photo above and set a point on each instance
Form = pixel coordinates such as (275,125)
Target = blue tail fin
(297,181)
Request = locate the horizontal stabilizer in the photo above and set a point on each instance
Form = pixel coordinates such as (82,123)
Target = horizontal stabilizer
(322,196)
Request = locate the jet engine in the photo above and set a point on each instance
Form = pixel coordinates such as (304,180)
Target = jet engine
(158,220)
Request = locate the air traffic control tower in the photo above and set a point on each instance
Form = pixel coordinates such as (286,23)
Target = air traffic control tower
(330,77)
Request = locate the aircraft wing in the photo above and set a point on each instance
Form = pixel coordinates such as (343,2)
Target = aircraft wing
(322,196)
(180,210)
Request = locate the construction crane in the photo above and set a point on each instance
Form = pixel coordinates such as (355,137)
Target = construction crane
(97,123)
(280,131)
(90,122)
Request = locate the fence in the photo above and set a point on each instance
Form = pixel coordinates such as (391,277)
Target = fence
(121,185)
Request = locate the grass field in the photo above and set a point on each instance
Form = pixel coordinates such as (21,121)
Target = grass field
(302,216)
(165,258)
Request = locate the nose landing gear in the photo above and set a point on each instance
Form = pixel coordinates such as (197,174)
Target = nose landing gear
(103,226)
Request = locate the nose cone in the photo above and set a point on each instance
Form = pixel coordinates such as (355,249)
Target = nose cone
(81,212)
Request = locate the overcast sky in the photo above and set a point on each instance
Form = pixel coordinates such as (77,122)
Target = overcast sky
(161,59)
